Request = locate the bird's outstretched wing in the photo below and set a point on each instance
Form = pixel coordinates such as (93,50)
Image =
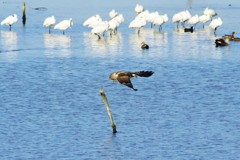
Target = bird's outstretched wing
(143,73)
(125,79)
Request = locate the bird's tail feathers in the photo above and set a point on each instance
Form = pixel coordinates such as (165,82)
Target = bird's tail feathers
(144,73)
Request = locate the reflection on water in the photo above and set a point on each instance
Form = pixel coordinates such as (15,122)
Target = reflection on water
(50,102)
(194,44)
(157,41)
(9,44)
(178,30)
(106,45)
(135,41)
(107,147)
(189,3)
(59,42)
(160,38)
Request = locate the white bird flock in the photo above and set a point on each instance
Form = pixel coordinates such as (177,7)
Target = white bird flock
(143,16)
(99,27)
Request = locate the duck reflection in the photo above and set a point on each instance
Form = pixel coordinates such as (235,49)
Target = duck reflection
(135,41)
(103,46)
(57,42)
(9,41)
(153,37)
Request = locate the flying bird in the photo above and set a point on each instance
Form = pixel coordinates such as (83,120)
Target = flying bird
(124,77)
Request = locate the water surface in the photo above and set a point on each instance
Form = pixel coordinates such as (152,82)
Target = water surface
(49,93)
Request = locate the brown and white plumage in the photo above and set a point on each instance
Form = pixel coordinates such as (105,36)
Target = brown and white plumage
(221,42)
(144,46)
(124,77)
(228,36)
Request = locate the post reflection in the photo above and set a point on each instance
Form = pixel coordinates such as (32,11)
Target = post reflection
(57,42)
(104,46)
(9,40)
(107,147)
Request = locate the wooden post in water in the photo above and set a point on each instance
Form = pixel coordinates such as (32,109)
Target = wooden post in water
(114,127)
(24,14)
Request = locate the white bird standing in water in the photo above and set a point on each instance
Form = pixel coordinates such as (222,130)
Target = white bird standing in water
(113,14)
(210,12)
(100,29)
(165,17)
(177,18)
(10,20)
(95,23)
(151,17)
(193,20)
(91,20)
(113,25)
(215,24)
(159,20)
(49,22)
(63,25)
(143,14)
(139,8)
(204,18)
(138,23)
(119,18)
(185,16)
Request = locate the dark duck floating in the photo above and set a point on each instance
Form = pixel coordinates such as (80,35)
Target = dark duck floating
(191,29)
(229,36)
(220,42)
(144,46)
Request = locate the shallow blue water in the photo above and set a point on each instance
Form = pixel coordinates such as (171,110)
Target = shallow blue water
(50,106)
